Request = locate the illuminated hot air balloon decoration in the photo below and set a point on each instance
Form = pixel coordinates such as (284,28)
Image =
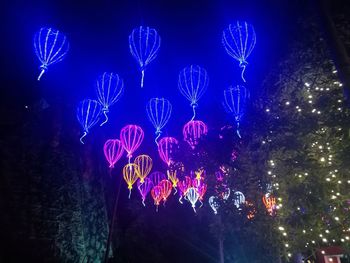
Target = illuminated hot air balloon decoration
(130,175)
(88,114)
(239,40)
(173,178)
(144,44)
(251,209)
(192,196)
(235,102)
(193,82)
(166,189)
(270,203)
(156,177)
(238,199)
(144,166)
(50,46)
(113,151)
(158,112)
(156,193)
(214,204)
(131,137)
(183,186)
(109,89)
(193,131)
(166,148)
(201,187)
(144,188)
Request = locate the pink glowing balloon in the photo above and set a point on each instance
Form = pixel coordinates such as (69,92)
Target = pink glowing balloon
(183,186)
(144,188)
(156,177)
(131,137)
(156,194)
(193,131)
(166,147)
(166,186)
(113,150)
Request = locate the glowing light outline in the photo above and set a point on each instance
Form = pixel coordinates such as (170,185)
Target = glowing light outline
(48,59)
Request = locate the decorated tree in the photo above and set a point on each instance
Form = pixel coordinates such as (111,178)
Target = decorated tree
(307,141)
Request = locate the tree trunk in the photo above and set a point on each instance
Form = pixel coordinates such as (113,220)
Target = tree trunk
(221,249)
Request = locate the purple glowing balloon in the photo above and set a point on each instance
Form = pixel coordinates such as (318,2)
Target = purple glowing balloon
(156,177)
(144,188)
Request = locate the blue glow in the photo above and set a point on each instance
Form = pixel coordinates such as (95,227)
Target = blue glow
(193,82)
(50,46)
(144,44)
(239,40)
(88,114)
(109,89)
(235,101)
(159,112)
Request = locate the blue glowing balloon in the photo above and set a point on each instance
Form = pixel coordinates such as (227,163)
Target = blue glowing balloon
(158,111)
(109,89)
(88,114)
(239,40)
(144,43)
(235,102)
(50,46)
(193,82)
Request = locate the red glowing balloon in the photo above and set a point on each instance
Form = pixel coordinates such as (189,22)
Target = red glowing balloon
(166,147)
(113,150)
(166,186)
(156,194)
(131,137)
(193,131)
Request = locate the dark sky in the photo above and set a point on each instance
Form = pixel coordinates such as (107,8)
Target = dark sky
(98,33)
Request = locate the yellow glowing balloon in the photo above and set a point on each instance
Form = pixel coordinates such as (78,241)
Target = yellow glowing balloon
(130,175)
(199,174)
(172,177)
(144,164)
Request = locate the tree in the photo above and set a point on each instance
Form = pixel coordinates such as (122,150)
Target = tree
(308,146)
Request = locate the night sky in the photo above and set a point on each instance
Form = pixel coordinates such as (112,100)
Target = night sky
(98,34)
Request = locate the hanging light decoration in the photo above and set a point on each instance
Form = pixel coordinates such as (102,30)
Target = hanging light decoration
(109,89)
(113,151)
(192,196)
(193,131)
(158,112)
(130,175)
(88,114)
(173,178)
(166,147)
(251,209)
(201,187)
(156,177)
(156,193)
(50,46)
(193,82)
(144,188)
(238,199)
(214,204)
(144,166)
(183,186)
(235,102)
(166,189)
(144,44)
(270,203)
(131,137)
(239,40)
